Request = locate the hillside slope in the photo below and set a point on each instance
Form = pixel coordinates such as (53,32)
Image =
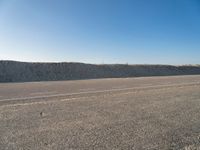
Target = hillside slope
(12,71)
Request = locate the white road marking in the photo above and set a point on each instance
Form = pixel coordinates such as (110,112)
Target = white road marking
(148,84)
(42,102)
(51,101)
(97,91)
(87,89)
(39,93)
(119,87)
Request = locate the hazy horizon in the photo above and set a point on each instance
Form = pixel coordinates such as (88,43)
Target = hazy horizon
(101,32)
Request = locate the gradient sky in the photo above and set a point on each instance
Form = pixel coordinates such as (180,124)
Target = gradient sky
(101,31)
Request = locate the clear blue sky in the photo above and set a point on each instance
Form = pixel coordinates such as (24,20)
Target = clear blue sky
(101,31)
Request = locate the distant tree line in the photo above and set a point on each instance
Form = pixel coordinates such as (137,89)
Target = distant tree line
(12,71)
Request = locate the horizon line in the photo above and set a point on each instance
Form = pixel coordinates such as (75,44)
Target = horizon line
(130,64)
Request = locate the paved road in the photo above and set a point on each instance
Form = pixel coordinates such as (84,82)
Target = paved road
(129,113)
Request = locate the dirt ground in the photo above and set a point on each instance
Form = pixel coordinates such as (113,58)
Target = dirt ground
(146,116)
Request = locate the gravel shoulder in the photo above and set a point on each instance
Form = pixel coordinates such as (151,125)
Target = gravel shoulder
(165,118)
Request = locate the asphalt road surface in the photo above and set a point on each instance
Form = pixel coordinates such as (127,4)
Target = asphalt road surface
(129,113)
